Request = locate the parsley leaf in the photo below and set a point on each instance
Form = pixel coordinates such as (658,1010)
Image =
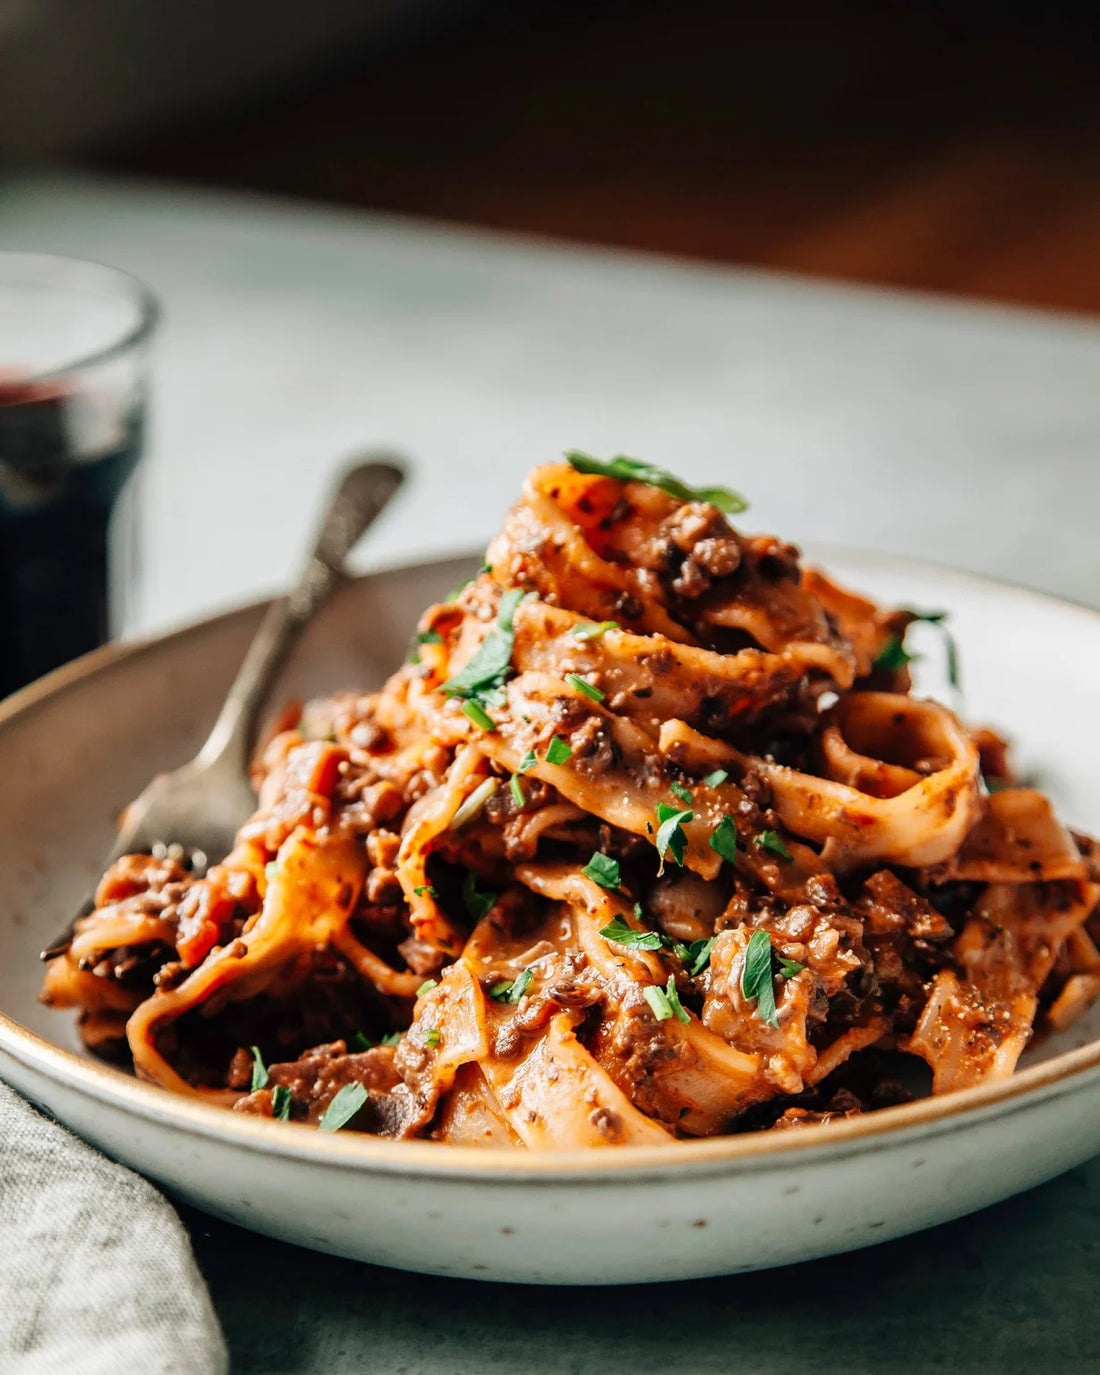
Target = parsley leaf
(756,977)
(622,933)
(723,840)
(698,955)
(774,842)
(632,470)
(671,839)
(558,751)
(359,1042)
(894,651)
(489,667)
(527,762)
(393,1039)
(893,655)
(681,792)
(716,779)
(729,503)
(604,870)
(343,1107)
(479,901)
(429,637)
(673,1000)
(932,617)
(952,660)
(589,631)
(583,685)
(657,1001)
(789,968)
(259,1070)
(512,990)
(280,1104)
(695,956)
(426,888)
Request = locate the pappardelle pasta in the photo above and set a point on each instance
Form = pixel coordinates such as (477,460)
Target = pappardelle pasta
(649,840)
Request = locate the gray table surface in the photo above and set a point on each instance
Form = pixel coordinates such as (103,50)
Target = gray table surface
(964,434)
(1008,1289)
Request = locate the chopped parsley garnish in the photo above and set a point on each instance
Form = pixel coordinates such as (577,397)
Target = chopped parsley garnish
(673,1000)
(587,630)
(429,637)
(259,1070)
(773,841)
(582,685)
(280,1104)
(426,987)
(392,1039)
(695,956)
(478,715)
(512,990)
(723,840)
(671,839)
(657,1001)
(515,787)
(422,888)
(604,870)
(893,656)
(483,677)
(952,659)
(632,470)
(432,1037)
(698,955)
(345,1104)
(558,751)
(472,805)
(623,934)
(789,968)
(756,977)
(527,762)
(716,779)
(359,1042)
(479,901)
(681,792)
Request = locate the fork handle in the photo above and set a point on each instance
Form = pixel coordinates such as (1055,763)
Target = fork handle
(356,501)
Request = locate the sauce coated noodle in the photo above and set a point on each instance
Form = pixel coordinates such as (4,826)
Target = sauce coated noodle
(677,853)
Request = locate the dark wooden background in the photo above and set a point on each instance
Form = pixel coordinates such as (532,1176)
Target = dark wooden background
(954,147)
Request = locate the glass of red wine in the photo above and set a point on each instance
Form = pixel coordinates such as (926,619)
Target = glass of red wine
(74,343)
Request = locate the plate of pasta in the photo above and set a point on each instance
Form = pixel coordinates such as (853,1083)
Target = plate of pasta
(642,899)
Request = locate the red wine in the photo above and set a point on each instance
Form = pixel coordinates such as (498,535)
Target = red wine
(59,480)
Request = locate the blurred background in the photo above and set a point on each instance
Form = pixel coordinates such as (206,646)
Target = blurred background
(403,222)
(950,146)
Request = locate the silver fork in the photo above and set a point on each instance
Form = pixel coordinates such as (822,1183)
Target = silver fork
(194,813)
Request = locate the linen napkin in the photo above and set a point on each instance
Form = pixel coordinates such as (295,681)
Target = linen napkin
(96,1271)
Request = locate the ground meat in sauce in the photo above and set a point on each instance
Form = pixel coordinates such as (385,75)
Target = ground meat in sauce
(860,949)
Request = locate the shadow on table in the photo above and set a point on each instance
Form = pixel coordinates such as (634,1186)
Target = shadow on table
(1010,1288)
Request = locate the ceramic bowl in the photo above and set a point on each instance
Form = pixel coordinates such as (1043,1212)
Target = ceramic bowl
(75,747)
